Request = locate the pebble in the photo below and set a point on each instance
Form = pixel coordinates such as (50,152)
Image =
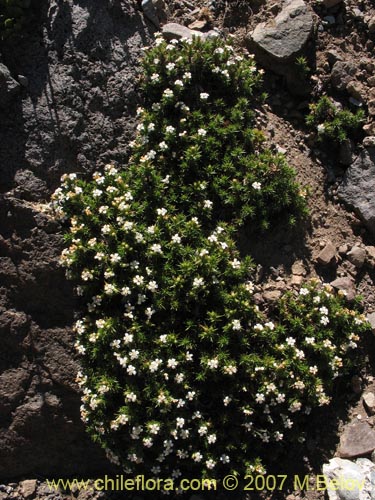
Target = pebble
(357,256)
(327,255)
(369,402)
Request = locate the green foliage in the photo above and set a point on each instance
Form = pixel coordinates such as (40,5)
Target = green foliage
(302,67)
(13,15)
(181,371)
(331,123)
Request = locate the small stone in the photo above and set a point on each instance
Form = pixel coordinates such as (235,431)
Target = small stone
(272,295)
(356,384)
(369,128)
(357,440)
(371,107)
(333,56)
(371,81)
(298,268)
(371,320)
(346,152)
(327,255)
(369,402)
(330,19)
(296,280)
(198,24)
(23,80)
(28,488)
(356,102)
(342,73)
(345,284)
(355,89)
(370,254)
(155,11)
(343,249)
(331,3)
(369,142)
(371,25)
(357,256)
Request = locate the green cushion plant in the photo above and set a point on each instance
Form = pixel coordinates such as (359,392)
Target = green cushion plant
(181,371)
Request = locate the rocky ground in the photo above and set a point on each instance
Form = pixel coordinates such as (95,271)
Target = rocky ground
(67,102)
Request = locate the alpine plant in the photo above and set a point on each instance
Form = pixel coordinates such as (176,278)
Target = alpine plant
(181,371)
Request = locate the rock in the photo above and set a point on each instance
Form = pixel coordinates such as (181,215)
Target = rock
(296,280)
(155,11)
(298,268)
(358,187)
(28,488)
(356,384)
(371,25)
(369,128)
(369,142)
(346,285)
(331,3)
(271,295)
(333,56)
(276,44)
(371,107)
(357,256)
(8,86)
(371,320)
(342,74)
(174,30)
(285,37)
(371,81)
(370,256)
(355,89)
(199,24)
(24,81)
(357,439)
(338,470)
(346,152)
(327,255)
(369,402)
(330,20)
(356,102)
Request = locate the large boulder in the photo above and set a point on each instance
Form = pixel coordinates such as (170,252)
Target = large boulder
(358,187)
(282,39)
(279,42)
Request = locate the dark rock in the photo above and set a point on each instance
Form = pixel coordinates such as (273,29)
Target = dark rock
(369,142)
(331,3)
(371,25)
(342,74)
(355,89)
(346,152)
(346,285)
(24,81)
(358,187)
(333,56)
(357,256)
(327,255)
(8,86)
(357,440)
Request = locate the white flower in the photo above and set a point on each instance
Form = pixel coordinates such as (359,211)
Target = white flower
(155,77)
(152,286)
(280,398)
(115,258)
(130,396)
(163,146)
(227,400)
(310,340)
(170,130)
(197,456)
(323,310)
(202,430)
(235,263)
(131,370)
(154,428)
(236,324)
(156,248)
(198,282)
(180,422)
(204,96)
(133,354)
(230,369)
(296,406)
(154,365)
(324,320)
(125,291)
(138,280)
(172,363)
(256,185)
(258,327)
(179,378)
(249,286)
(161,211)
(207,204)
(225,459)
(97,193)
(219,50)
(304,291)
(313,369)
(260,398)
(168,93)
(163,338)
(321,128)
(147,442)
(202,132)
(210,464)
(128,338)
(189,356)
(109,289)
(278,436)
(213,363)
(179,83)
(176,238)
(290,341)
(149,312)
(170,66)
(187,76)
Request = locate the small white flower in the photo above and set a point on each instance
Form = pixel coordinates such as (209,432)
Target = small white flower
(152,286)
(170,130)
(225,459)
(133,354)
(170,66)
(235,263)
(236,324)
(176,238)
(202,132)
(290,341)
(155,77)
(257,186)
(163,146)
(131,370)
(197,456)
(304,291)
(198,282)
(207,204)
(204,96)
(324,320)
(219,50)
(172,363)
(128,338)
(138,280)
(213,363)
(125,291)
(161,211)
(168,93)
(227,400)
(180,422)
(179,83)
(210,464)
(260,398)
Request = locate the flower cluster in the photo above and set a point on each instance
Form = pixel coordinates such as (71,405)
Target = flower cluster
(181,371)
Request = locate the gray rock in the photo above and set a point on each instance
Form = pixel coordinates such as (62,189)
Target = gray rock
(24,81)
(371,320)
(327,255)
(277,43)
(369,402)
(371,107)
(330,19)
(357,256)
(331,3)
(358,439)
(349,477)
(28,488)
(174,30)
(8,86)
(342,74)
(333,56)
(371,25)
(155,11)
(358,187)
(369,128)
(346,285)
